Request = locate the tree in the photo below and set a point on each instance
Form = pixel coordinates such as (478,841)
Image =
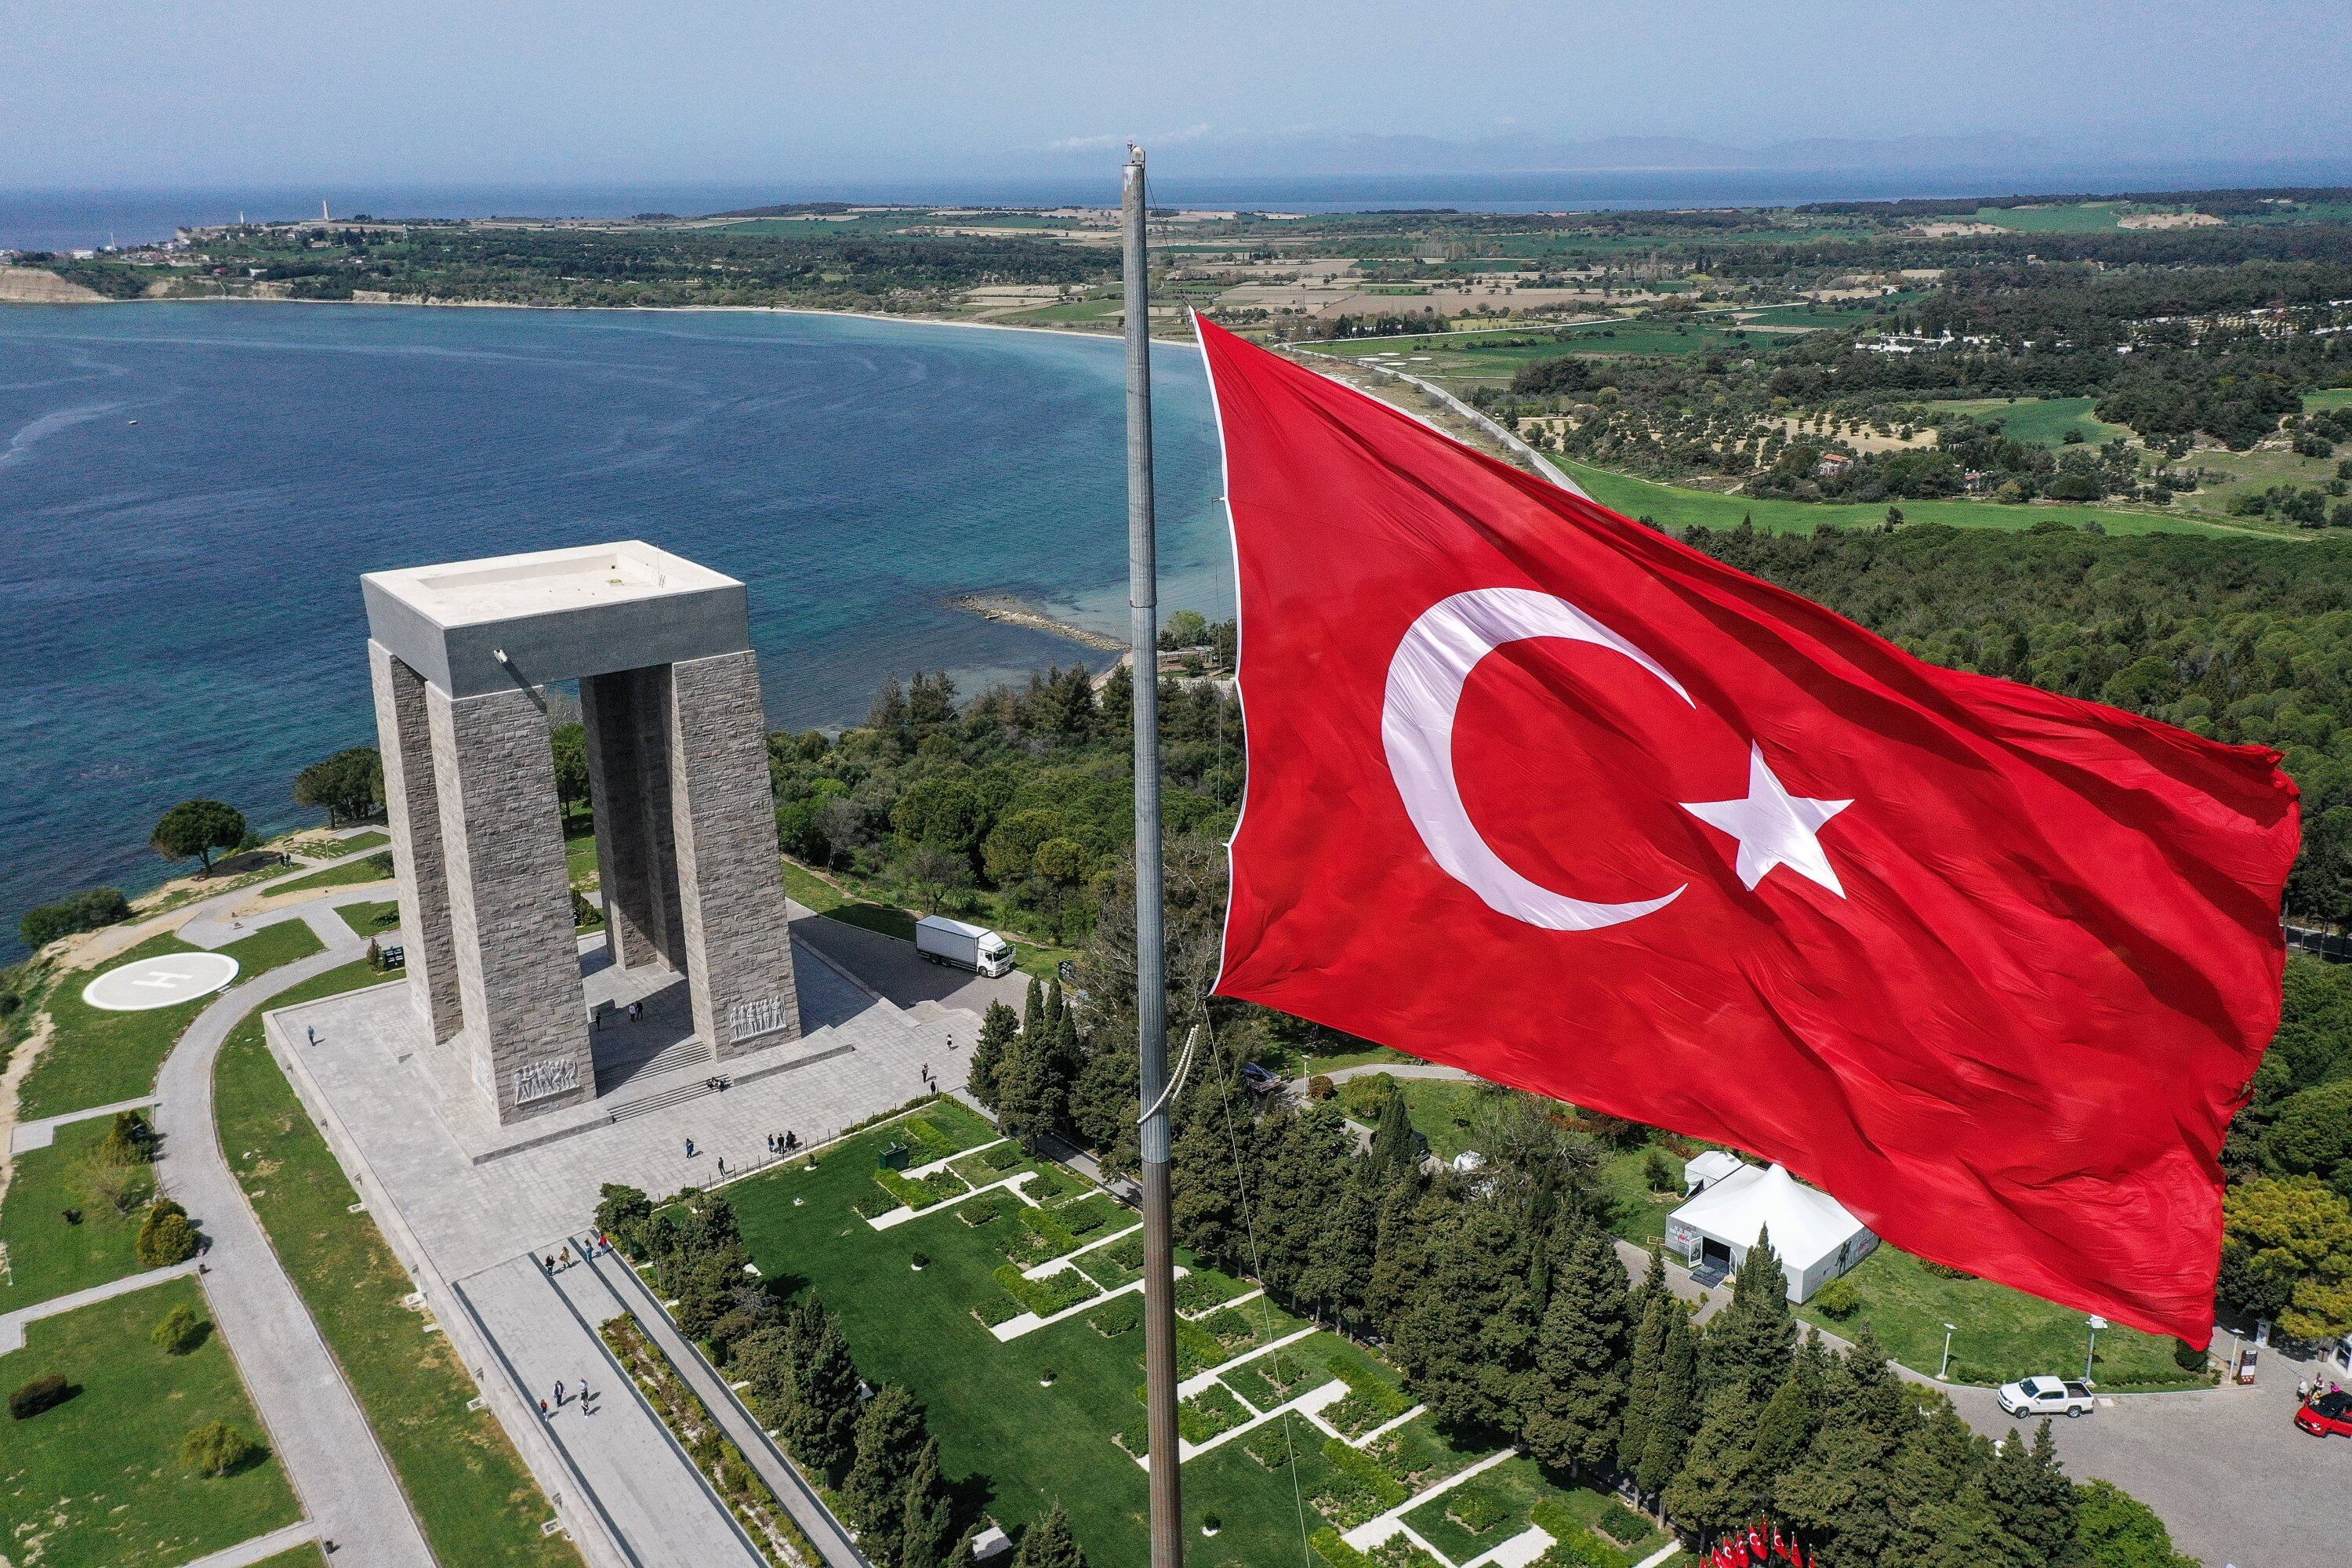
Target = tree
(890,1442)
(821,1425)
(570,743)
(215,1448)
(198,827)
(1715,1487)
(1576,1395)
(1395,1147)
(347,787)
(128,1140)
(1674,1408)
(1010,851)
(941,813)
(165,1236)
(180,1331)
(84,910)
(2118,1530)
(1046,1542)
(927,1528)
(2311,1134)
(999,1028)
(623,1212)
(1786,1426)
(2029,1496)
(1751,1340)
(1642,1377)
(2286,1254)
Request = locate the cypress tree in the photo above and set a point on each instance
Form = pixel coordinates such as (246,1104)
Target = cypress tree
(1641,1378)
(1751,1338)
(1394,1151)
(1787,1424)
(1047,1544)
(1715,1489)
(2030,1495)
(1410,1215)
(1033,1009)
(1674,1412)
(1577,1393)
(890,1442)
(926,1527)
(821,1422)
(999,1028)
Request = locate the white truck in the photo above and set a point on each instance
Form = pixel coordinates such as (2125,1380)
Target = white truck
(2045,1396)
(976,948)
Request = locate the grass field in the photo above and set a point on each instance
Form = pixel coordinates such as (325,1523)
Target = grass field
(1673,507)
(98,1481)
(368,919)
(2253,470)
(2043,421)
(1442,1110)
(2331,398)
(96,1058)
(2075,217)
(308,1556)
(468,1486)
(1815,316)
(374,869)
(47,1256)
(1036,1443)
(2002,1333)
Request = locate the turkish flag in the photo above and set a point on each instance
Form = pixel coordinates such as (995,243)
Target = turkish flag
(1542,793)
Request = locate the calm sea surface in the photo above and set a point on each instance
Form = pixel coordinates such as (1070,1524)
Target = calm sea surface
(188,494)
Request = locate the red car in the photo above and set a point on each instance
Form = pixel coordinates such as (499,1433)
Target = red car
(2329,1415)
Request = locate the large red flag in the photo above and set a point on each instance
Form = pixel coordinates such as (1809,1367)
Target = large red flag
(1538,791)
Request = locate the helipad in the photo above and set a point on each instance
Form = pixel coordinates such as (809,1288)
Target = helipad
(160,982)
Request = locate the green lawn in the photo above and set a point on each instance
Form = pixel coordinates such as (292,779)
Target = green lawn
(368,919)
(2043,421)
(476,1503)
(306,1557)
(2073,218)
(1036,1443)
(374,869)
(96,1058)
(1440,1109)
(2332,397)
(98,1483)
(1673,507)
(48,1257)
(2003,1334)
(373,838)
(2252,471)
(1637,1214)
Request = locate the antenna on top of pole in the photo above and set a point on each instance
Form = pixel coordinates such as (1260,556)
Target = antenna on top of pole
(1150,957)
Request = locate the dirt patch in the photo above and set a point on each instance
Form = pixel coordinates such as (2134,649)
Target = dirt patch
(32,285)
(2168,220)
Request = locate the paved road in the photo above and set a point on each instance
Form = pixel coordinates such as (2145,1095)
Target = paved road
(345,1483)
(893,970)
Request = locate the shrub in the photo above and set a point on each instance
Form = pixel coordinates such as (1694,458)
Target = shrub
(1002,1156)
(1319,1088)
(1657,1174)
(41,1393)
(1208,1413)
(130,1141)
(180,1331)
(1838,1298)
(1476,1508)
(1119,1315)
(986,1209)
(84,911)
(2187,1357)
(215,1448)
(1047,1296)
(1335,1551)
(1945,1270)
(165,1236)
(1203,1288)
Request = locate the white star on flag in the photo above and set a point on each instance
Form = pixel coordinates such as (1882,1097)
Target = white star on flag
(1774,827)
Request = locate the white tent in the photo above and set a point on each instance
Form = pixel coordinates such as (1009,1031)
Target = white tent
(1816,1237)
(1708,1166)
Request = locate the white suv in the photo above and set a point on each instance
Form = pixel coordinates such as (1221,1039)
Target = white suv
(2045,1396)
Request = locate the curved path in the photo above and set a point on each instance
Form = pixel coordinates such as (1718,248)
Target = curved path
(315,1424)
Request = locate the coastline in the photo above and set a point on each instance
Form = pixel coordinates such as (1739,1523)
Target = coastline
(1006,610)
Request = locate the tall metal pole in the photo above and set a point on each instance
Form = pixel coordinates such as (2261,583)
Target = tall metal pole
(1150,956)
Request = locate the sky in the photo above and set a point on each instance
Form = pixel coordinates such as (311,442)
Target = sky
(115,94)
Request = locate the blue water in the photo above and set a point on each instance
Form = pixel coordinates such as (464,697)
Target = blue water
(179,601)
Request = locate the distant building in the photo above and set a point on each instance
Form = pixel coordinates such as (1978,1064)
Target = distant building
(1815,1236)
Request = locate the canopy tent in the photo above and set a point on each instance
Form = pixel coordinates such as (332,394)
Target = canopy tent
(1814,1235)
(1708,1166)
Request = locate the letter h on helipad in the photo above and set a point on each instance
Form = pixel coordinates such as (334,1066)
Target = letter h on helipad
(462,655)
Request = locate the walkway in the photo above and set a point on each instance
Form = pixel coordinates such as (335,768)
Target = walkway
(315,1424)
(620,1287)
(27,1136)
(623,1462)
(11,1324)
(262,1548)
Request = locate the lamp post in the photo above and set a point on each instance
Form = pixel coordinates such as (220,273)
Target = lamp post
(1943,1371)
(2092,1354)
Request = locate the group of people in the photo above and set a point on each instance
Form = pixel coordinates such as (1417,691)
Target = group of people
(583,1395)
(556,1262)
(2307,1389)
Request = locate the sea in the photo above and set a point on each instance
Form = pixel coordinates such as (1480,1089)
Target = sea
(189,494)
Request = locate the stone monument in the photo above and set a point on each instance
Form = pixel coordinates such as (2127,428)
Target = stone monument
(462,655)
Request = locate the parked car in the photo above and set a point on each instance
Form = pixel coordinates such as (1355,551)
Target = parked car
(2046,1396)
(2329,1415)
(1260,1079)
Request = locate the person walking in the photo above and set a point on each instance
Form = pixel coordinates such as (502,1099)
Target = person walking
(722,1164)
(689,1148)
(542,1410)
(2303,1391)
(313,1033)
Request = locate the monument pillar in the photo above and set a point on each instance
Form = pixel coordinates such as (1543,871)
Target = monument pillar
(412,808)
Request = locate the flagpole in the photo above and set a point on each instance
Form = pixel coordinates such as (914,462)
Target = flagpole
(1150,957)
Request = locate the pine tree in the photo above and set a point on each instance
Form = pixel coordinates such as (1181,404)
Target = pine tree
(1751,1340)
(999,1026)
(1394,1150)
(927,1528)
(1575,1398)
(1786,1425)
(1033,1009)
(1400,1251)
(1468,1336)
(1641,1378)
(1674,1413)
(821,1422)
(890,1441)
(1047,1544)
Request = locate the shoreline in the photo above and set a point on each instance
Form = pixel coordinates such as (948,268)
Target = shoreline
(1006,610)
